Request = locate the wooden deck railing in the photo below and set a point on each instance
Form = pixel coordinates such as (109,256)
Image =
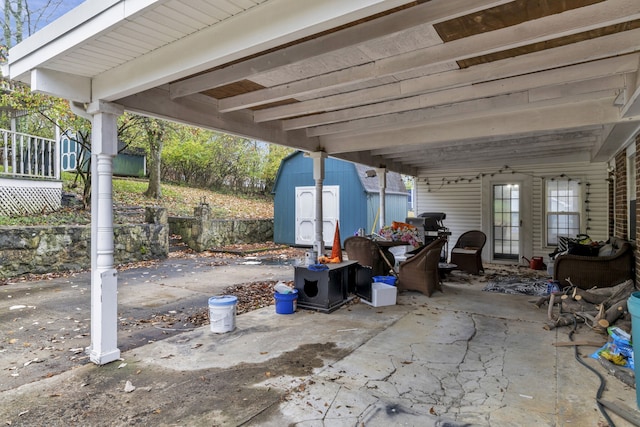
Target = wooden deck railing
(29,156)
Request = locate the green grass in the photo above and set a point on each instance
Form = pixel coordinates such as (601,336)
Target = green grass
(128,194)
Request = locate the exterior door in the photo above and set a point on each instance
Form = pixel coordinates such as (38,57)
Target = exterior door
(305,227)
(506,221)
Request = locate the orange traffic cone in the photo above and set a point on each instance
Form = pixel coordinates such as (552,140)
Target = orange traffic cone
(336,249)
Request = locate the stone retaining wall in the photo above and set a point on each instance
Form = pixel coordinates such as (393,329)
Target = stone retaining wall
(201,232)
(42,250)
(68,248)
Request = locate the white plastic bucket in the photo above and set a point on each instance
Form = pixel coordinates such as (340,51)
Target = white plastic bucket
(222,313)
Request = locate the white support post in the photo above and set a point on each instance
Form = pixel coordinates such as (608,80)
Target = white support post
(382,182)
(318,176)
(14,147)
(57,155)
(104,277)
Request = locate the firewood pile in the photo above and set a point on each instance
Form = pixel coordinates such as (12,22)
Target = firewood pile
(598,308)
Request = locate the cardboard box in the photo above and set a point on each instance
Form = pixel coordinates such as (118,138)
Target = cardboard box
(382,294)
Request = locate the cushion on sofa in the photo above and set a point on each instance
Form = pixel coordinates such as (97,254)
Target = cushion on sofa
(607,250)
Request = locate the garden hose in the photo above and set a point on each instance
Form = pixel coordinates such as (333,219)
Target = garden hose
(600,377)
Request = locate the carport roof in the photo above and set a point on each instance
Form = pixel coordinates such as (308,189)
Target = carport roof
(409,85)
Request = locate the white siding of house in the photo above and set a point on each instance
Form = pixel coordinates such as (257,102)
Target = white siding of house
(462,200)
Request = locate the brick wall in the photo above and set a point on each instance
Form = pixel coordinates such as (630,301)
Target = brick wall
(620,204)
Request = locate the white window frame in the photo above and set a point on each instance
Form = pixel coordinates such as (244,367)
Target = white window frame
(548,212)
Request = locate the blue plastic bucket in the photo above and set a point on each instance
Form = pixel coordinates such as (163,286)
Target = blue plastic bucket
(389,280)
(286,303)
(222,313)
(633,304)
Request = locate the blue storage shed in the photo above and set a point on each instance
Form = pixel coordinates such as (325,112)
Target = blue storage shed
(348,196)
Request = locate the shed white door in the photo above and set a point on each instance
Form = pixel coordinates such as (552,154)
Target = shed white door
(306,211)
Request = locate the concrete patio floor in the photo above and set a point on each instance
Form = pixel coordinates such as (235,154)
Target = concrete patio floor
(461,357)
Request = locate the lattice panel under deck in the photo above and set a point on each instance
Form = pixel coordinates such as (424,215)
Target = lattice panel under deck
(16,201)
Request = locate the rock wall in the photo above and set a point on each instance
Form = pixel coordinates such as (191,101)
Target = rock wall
(42,250)
(201,232)
(67,248)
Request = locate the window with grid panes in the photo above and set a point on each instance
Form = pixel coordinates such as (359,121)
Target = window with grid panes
(563,209)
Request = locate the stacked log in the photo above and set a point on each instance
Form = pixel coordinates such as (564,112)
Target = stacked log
(597,307)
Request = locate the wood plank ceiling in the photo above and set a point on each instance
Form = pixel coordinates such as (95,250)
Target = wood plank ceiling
(409,85)
(522,81)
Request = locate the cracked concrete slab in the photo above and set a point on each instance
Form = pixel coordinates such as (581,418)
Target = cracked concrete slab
(462,357)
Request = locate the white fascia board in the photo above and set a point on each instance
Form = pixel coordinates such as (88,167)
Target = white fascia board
(55,83)
(72,30)
(266,26)
(66,23)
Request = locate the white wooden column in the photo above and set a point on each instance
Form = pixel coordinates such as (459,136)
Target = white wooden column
(104,277)
(382,182)
(318,176)
(57,157)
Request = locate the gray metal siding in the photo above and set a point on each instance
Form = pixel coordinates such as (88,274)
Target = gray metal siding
(396,209)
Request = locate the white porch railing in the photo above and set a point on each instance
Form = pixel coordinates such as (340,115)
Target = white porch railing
(29,156)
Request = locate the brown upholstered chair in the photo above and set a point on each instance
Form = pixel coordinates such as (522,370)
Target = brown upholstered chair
(467,252)
(368,254)
(420,272)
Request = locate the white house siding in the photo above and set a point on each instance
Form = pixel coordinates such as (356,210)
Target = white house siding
(462,200)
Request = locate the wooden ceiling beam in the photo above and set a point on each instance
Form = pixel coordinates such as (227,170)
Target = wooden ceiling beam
(617,44)
(511,96)
(488,148)
(631,105)
(518,163)
(580,72)
(486,154)
(432,11)
(439,105)
(586,134)
(201,111)
(374,124)
(540,30)
(523,122)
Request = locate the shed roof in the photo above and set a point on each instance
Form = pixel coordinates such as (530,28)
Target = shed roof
(395,184)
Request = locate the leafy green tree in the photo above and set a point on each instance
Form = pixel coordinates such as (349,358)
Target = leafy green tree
(186,157)
(150,134)
(272,164)
(221,162)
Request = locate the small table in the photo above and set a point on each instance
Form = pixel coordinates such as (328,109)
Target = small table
(445,268)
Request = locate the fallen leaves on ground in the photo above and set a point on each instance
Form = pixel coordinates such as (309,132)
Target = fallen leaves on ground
(253,296)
